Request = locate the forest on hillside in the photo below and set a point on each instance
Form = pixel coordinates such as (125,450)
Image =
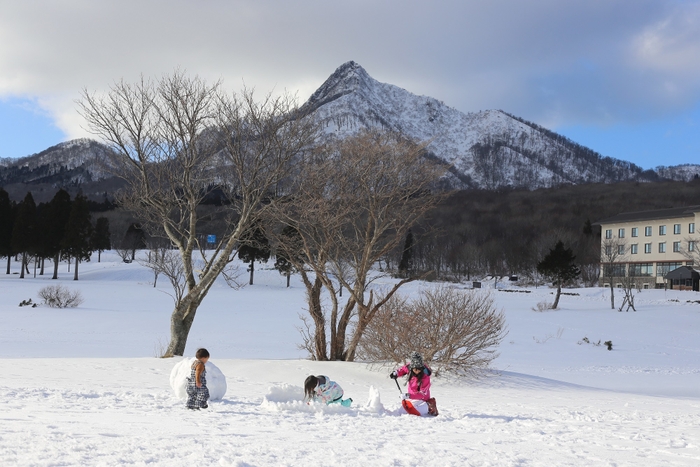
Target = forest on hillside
(475,233)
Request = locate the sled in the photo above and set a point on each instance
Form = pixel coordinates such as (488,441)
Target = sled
(419,407)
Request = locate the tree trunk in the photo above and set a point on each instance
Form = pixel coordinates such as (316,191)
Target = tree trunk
(75,277)
(99,255)
(556,299)
(24,260)
(252,271)
(9,261)
(180,324)
(36,260)
(289,275)
(43,261)
(56,260)
(612,294)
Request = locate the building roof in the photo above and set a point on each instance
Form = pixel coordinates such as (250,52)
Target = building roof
(683,272)
(687,211)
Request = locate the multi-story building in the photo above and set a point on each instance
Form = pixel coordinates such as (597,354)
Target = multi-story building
(647,245)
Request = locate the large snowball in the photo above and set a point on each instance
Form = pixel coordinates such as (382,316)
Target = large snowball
(216,381)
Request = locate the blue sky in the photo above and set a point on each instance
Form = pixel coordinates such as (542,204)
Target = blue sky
(619,76)
(25,128)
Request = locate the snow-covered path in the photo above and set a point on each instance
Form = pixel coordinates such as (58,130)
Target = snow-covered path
(120,412)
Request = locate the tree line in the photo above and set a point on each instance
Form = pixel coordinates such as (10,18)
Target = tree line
(61,229)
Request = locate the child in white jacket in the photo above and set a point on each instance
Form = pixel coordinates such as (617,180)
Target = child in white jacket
(321,388)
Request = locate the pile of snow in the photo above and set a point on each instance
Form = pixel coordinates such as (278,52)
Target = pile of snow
(216,381)
(374,402)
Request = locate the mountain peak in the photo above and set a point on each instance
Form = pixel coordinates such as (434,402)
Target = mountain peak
(347,78)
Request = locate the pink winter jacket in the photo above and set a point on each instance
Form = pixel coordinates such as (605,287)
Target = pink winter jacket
(415,390)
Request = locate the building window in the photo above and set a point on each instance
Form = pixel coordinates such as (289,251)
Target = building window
(647,248)
(676,229)
(615,270)
(621,233)
(635,232)
(664,268)
(608,234)
(691,245)
(691,227)
(641,269)
(634,248)
(620,249)
(662,247)
(608,250)
(647,231)
(662,230)
(676,247)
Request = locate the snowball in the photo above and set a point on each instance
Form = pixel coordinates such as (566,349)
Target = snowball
(216,381)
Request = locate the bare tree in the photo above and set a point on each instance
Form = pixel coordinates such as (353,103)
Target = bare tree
(351,210)
(691,248)
(613,255)
(176,140)
(458,331)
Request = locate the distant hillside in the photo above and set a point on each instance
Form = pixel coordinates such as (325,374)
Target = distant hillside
(491,149)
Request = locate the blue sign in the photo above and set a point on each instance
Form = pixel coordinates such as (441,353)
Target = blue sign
(211,238)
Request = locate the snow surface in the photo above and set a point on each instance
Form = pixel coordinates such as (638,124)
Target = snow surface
(82,387)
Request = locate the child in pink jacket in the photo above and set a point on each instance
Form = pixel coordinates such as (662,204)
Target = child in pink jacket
(418,377)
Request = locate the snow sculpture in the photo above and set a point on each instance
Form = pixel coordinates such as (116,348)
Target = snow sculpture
(216,381)
(374,401)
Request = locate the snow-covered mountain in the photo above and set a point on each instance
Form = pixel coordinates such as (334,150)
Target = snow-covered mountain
(73,162)
(487,149)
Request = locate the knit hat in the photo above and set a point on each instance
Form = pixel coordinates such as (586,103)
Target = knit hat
(416,361)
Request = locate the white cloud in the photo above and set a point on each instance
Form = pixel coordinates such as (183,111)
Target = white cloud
(550,61)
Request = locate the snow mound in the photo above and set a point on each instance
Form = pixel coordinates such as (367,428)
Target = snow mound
(374,402)
(287,397)
(216,381)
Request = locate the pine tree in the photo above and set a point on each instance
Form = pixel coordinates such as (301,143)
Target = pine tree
(76,241)
(558,266)
(57,218)
(134,239)
(587,228)
(24,230)
(7,220)
(254,247)
(101,237)
(406,263)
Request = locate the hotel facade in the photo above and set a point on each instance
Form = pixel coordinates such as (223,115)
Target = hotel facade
(647,245)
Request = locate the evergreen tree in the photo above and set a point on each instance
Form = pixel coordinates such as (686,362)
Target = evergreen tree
(76,241)
(289,239)
(406,263)
(7,220)
(24,230)
(587,228)
(101,237)
(558,266)
(254,247)
(134,239)
(57,219)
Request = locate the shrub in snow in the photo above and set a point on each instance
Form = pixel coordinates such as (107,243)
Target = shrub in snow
(608,344)
(455,330)
(543,306)
(57,296)
(216,381)
(27,303)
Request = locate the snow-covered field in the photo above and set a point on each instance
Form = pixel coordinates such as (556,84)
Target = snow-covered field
(82,387)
